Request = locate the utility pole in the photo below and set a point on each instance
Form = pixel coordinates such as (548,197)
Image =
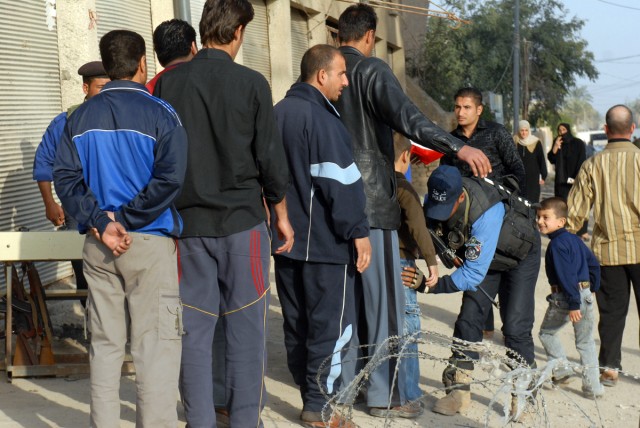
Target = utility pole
(516,65)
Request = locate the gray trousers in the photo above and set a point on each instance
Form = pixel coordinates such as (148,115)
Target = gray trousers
(380,302)
(144,283)
(225,276)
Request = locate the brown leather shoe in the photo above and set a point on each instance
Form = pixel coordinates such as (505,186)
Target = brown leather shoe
(609,377)
(336,421)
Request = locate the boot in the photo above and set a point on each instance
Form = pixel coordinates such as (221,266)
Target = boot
(456,401)
(458,398)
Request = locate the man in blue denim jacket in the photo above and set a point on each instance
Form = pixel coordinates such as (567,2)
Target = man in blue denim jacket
(574,273)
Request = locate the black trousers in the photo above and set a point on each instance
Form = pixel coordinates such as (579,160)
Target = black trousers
(319,320)
(613,304)
(516,289)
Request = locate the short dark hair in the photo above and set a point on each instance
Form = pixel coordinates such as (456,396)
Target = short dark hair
(221,18)
(619,119)
(555,204)
(401,144)
(121,51)
(355,21)
(172,39)
(469,92)
(317,58)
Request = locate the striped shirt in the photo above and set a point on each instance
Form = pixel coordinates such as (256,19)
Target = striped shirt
(609,182)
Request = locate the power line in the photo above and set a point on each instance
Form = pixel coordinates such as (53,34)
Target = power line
(619,5)
(619,58)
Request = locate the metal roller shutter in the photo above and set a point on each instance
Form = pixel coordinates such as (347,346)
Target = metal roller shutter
(134,15)
(29,100)
(299,39)
(196,7)
(256,41)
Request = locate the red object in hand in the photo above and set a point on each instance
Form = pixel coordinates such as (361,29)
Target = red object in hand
(425,155)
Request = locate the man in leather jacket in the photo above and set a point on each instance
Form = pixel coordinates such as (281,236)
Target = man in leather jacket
(371,107)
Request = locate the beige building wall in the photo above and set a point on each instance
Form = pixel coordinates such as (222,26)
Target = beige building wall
(78,40)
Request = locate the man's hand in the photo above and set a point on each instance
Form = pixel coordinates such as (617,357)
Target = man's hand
(575,316)
(433,276)
(55,213)
(477,160)
(116,238)
(363,249)
(285,231)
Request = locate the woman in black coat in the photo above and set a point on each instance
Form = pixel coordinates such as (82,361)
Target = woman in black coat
(567,154)
(531,152)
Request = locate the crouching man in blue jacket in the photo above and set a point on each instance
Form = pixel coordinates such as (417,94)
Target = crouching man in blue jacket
(326,202)
(119,167)
(500,248)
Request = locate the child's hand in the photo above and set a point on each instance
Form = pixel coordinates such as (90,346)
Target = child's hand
(575,316)
(433,276)
(412,277)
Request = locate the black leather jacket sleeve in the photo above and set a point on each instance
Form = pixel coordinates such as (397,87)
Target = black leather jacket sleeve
(392,106)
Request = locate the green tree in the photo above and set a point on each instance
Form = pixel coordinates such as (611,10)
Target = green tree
(480,54)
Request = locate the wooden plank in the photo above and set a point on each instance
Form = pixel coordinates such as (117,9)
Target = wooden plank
(65,294)
(40,246)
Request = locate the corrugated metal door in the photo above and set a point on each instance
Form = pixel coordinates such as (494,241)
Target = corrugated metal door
(29,100)
(196,13)
(299,39)
(255,45)
(134,15)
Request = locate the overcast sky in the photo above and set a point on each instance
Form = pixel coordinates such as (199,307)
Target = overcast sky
(612,30)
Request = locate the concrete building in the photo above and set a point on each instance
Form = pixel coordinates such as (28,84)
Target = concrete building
(44,42)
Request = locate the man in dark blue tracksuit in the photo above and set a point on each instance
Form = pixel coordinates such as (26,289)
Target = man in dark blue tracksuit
(326,209)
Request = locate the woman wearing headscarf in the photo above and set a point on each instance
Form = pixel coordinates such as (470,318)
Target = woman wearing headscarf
(567,154)
(535,166)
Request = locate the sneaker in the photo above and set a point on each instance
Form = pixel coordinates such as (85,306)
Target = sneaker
(609,377)
(222,418)
(591,393)
(487,334)
(411,410)
(562,379)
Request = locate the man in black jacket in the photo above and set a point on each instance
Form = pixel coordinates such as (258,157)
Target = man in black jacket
(326,201)
(371,108)
(490,137)
(235,159)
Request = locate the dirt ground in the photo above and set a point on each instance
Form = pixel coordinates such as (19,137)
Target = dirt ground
(64,402)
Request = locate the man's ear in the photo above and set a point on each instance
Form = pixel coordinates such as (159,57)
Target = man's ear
(370,36)
(406,156)
(321,76)
(194,48)
(237,35)
(480,109)
(461,198)
(142,66)
(85,88)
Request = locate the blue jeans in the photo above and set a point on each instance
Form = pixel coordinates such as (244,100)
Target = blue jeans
(410,364)
(557,316)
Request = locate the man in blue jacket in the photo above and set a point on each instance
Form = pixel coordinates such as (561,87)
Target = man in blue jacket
(93,80)
(502,260)
(119,167)
(326,207)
